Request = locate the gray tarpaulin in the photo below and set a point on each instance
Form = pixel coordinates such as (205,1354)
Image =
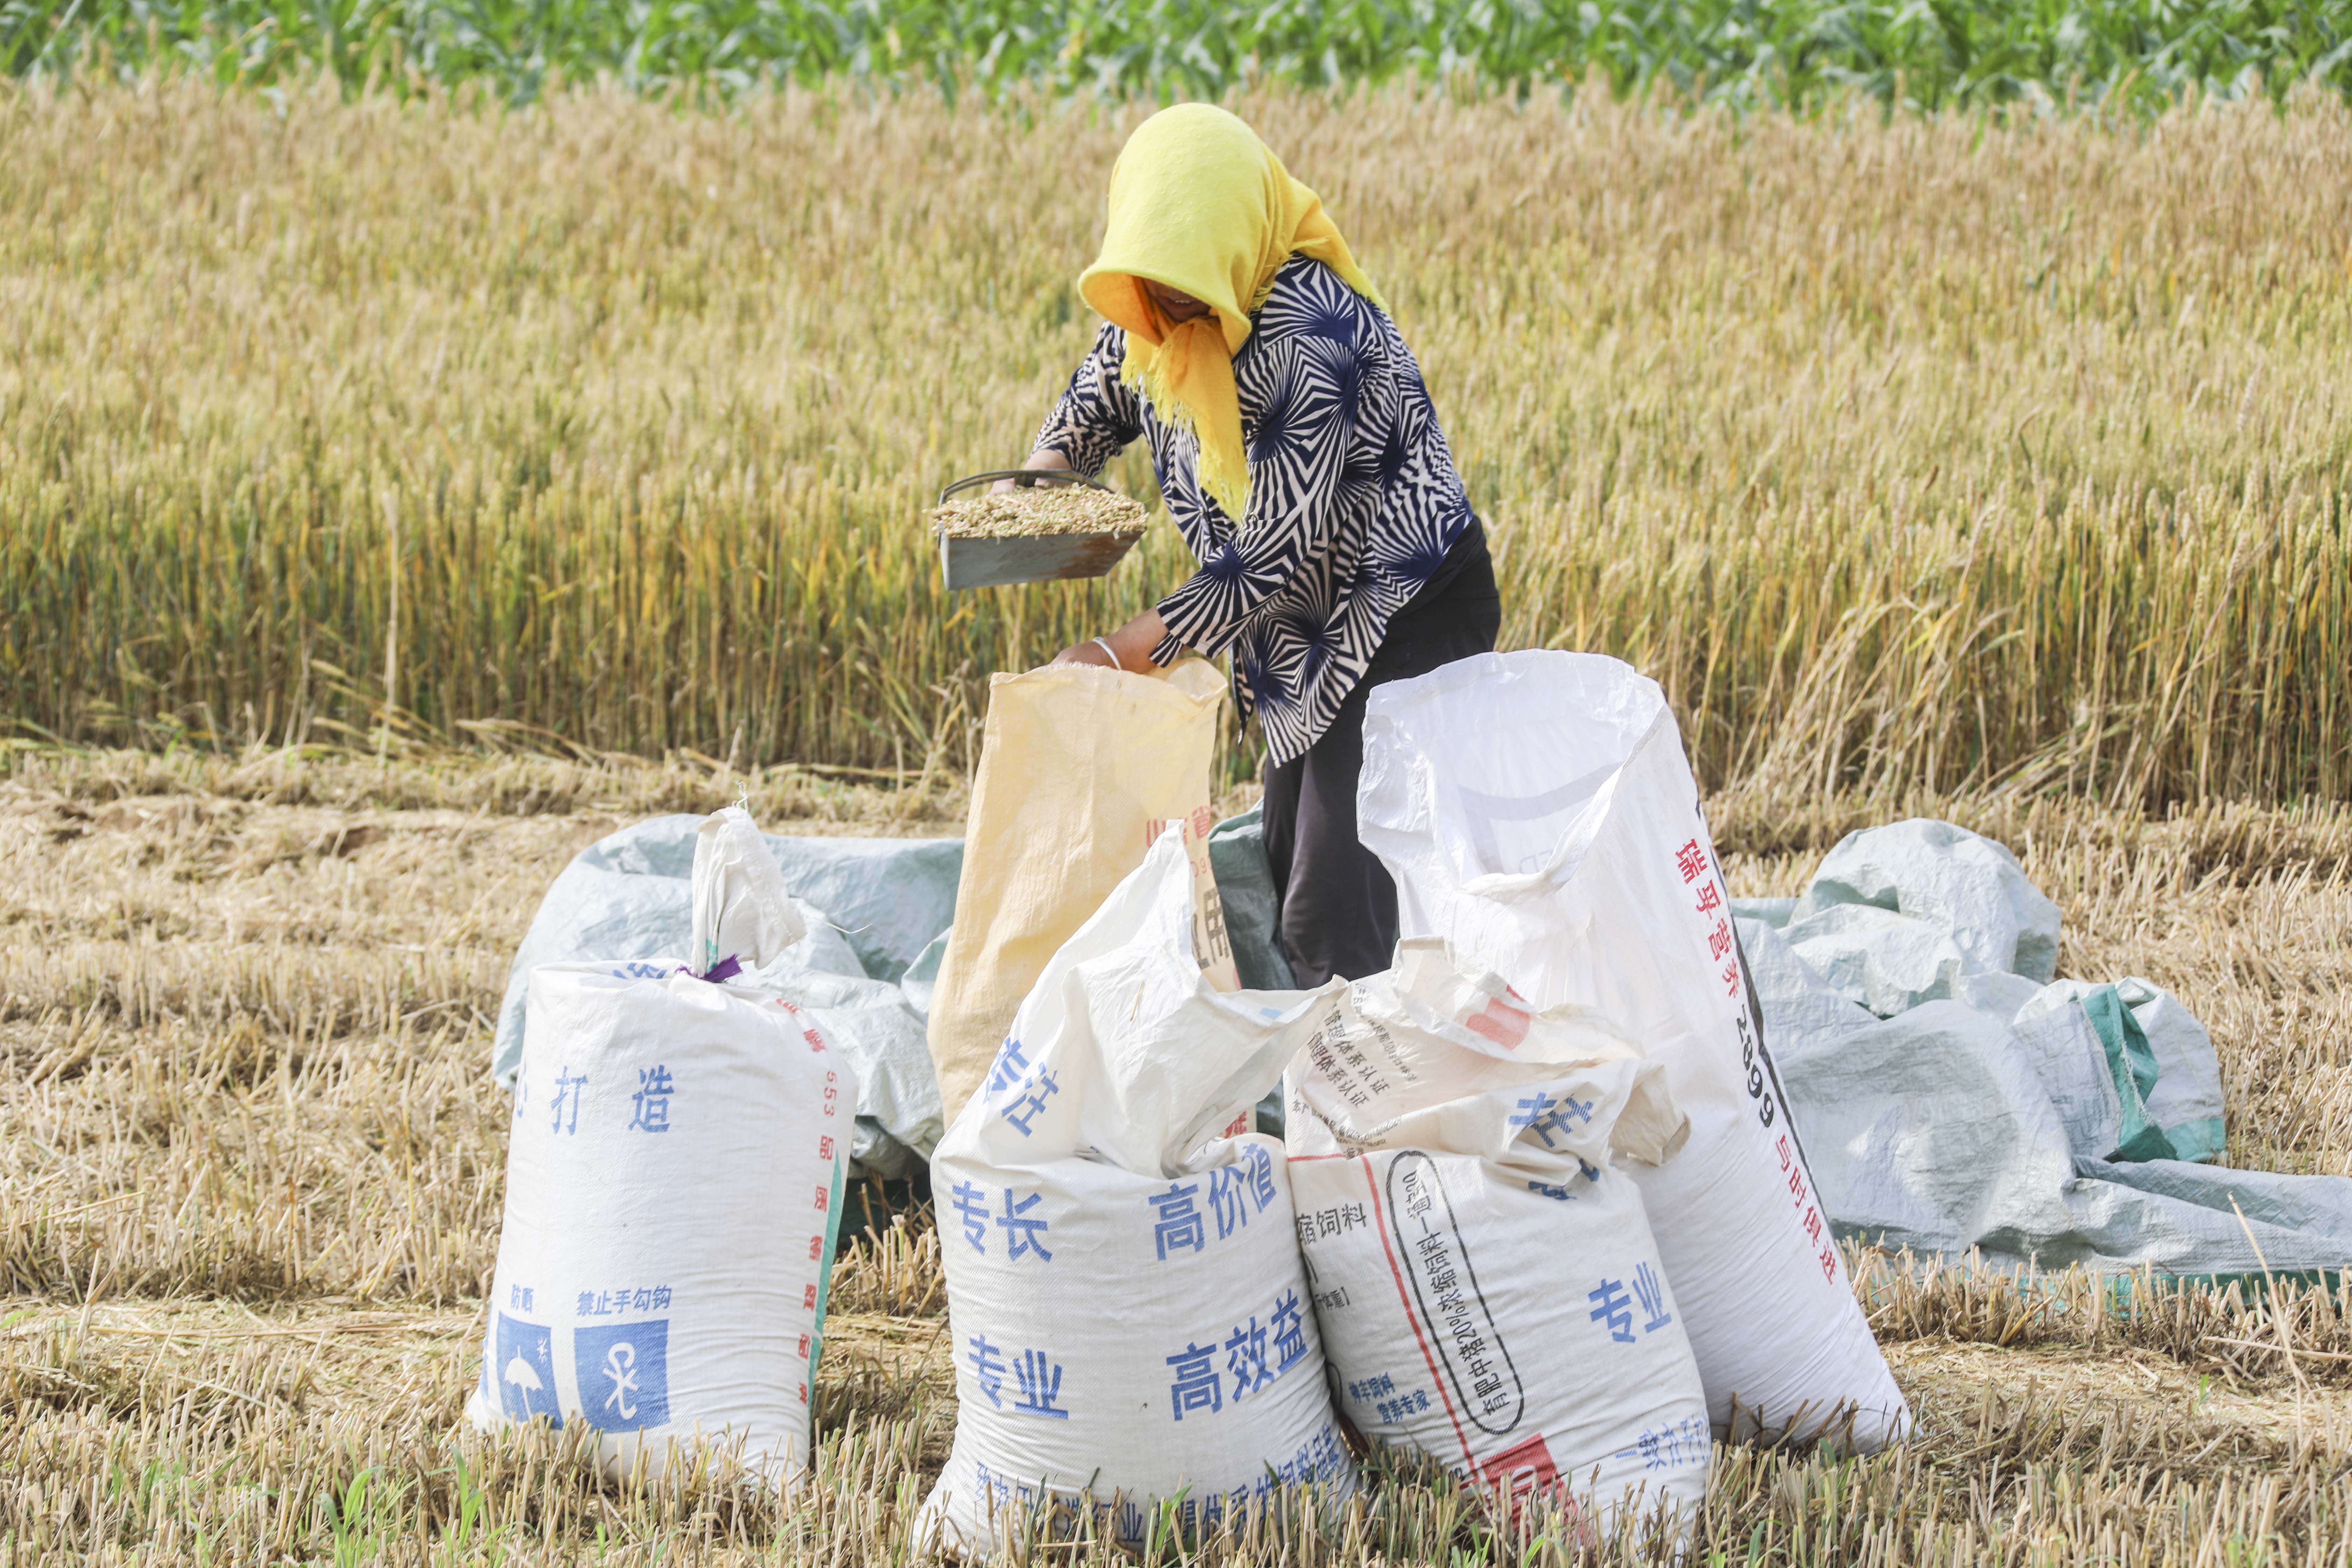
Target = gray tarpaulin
(1246,887)
(1252,922)
(877,912)
(1964,887)
(1952,1098)
(2185,1099)
(1920,911)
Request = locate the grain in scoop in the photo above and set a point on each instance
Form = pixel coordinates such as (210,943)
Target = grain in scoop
(1039,510)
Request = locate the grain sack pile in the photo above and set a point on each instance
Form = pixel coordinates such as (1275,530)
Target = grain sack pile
(673,1193)
(1537,813)
(1131,1321)
(1567,1066)
(1485,1274)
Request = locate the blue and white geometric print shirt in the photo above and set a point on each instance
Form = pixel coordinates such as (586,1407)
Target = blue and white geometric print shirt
(1353,499)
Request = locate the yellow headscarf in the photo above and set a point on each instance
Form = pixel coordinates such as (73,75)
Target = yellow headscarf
(1199,204)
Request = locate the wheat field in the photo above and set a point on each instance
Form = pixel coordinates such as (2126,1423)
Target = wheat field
(1939,454)
(251,1161)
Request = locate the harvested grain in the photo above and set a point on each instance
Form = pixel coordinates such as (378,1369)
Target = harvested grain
(1039,510)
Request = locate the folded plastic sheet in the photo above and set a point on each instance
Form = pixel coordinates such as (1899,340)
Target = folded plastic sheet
(1960,1106)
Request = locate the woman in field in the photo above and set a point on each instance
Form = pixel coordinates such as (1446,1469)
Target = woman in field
(1245,345)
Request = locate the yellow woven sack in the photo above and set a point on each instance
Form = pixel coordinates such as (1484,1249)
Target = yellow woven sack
(1080,768)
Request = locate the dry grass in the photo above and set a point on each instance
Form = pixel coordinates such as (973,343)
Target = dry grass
(1906,454)
(250,1164)
(242,1037)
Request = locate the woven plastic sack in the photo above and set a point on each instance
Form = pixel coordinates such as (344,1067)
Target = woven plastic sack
(673,1193)
(1130,1322)
(1488,1286)
(1538,816)
(1080,767)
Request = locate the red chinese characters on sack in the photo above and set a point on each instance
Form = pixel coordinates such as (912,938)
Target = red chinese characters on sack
(1711,899)
(1825,1249)
(1500,1022)
(1524,1470)
(816,1041)
(1691,860)
(1718,940)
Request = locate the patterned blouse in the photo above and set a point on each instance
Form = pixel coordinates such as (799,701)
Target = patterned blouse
(1353,499)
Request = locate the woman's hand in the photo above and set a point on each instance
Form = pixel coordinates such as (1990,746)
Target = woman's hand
(1043,457)
(1129,647)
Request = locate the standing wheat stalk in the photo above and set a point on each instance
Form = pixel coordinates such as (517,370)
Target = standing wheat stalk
(392,622)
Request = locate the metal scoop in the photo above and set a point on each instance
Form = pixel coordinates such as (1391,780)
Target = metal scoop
(1029,557)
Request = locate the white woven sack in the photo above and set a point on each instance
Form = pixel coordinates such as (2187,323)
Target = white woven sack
(1131,1321)
(1483,1275)
(1537,813)
(673,1195)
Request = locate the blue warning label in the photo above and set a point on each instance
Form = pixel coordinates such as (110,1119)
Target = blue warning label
(623,1375)
(524,1368)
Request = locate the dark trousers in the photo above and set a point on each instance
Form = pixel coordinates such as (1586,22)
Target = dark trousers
(1339,908)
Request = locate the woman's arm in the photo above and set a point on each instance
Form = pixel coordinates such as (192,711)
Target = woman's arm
(1296,457)
(1043,457)
(1096,417)
(1129,647)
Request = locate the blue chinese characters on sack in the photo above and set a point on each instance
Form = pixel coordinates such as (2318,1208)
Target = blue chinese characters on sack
(1133,1329)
